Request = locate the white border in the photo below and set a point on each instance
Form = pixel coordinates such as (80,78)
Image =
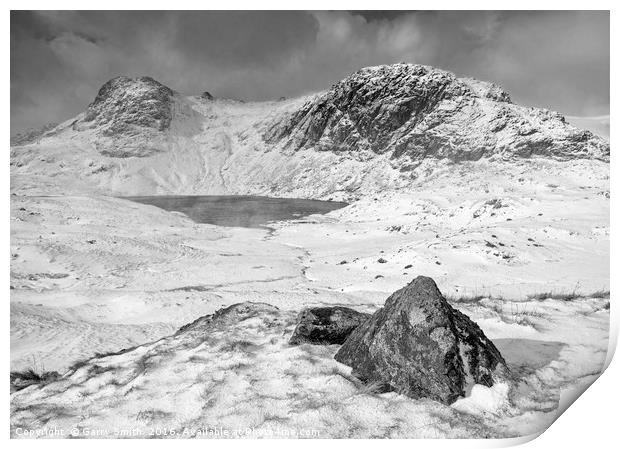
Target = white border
(590,421)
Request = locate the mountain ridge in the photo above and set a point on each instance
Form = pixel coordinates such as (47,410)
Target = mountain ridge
(371,131)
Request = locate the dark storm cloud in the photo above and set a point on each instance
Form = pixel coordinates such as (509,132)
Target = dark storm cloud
(558,60)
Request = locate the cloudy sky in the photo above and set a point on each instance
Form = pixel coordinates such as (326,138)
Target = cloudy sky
(558,60)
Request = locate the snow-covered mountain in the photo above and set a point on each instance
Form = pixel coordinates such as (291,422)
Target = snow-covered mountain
(414,112)
(379,128)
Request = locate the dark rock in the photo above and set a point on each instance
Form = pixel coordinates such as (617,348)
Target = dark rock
(381,260)
(326,325)
(420,346)
(26,378)
(206,96)
(123,103)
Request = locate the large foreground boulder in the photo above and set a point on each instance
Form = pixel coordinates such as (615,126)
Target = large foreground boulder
(326,325)
(420,346)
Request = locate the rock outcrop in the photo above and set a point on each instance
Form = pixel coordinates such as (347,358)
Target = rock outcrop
(124,102)
(413,112)
(206,95)
(326,325)
(224,318)
(420,346)
(130,116)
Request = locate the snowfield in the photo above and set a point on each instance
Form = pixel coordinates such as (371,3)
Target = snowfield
(93,275)
(505,207)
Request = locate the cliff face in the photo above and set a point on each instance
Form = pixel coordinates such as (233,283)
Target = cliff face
(417,112)
(130,117)
(123,103)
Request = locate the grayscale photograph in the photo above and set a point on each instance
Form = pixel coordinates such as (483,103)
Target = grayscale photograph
(306,224)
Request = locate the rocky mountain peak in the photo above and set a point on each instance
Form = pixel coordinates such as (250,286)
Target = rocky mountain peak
(124,102)
(416,112)
(129,116)
(420,81)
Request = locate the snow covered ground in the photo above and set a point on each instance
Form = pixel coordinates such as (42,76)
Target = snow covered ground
(93,274)
(243,377)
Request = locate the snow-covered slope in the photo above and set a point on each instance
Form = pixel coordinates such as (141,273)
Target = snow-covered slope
(93,274)
(377,129)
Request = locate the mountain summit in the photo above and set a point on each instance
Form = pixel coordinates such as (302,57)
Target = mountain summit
(416,111)
(124,102)
(126,109)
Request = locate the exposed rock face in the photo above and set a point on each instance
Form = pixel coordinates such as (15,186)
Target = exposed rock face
(123,101)
(127,110)
(420,346)
(326,325)
(416,112)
